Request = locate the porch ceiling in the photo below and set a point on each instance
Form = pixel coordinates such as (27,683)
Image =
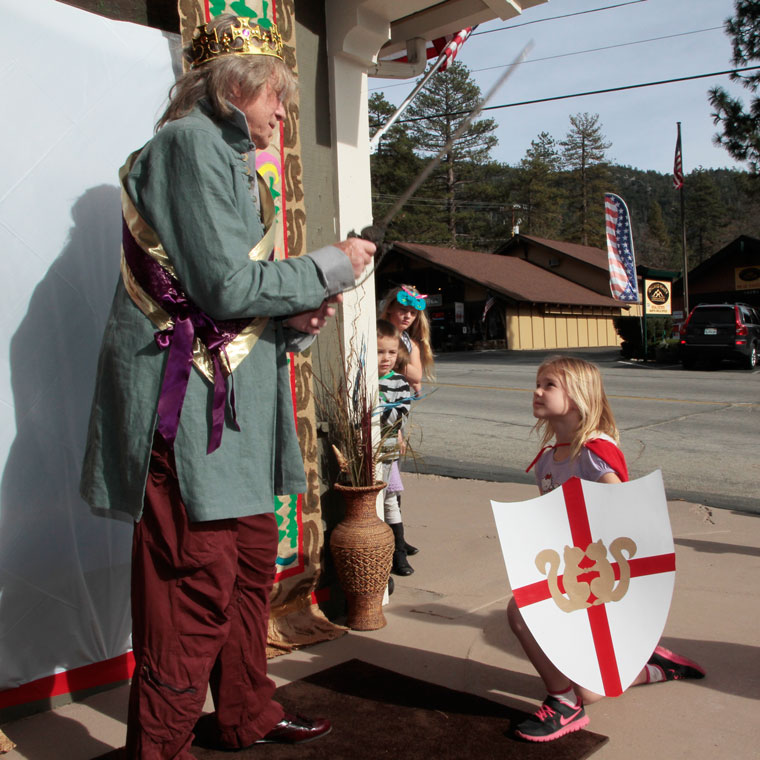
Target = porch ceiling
(430,19)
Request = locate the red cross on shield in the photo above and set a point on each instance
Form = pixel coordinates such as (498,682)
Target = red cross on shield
(592,569)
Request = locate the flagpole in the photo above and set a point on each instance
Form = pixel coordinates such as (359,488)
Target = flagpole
(412,95)
(683,240)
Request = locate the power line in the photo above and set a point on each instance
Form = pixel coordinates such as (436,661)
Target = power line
(605,47)
(554,18)
(385,199)
(576,52)
(588,92)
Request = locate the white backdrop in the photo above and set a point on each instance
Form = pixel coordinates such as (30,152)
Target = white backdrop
(80,93)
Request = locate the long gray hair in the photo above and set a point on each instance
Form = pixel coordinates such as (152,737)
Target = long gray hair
(217,79)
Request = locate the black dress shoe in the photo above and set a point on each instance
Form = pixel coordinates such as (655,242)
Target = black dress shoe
(295,729)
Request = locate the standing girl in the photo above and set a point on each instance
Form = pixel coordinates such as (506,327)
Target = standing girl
(579,438)
(404,308)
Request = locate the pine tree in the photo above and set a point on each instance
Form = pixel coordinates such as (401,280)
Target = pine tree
(740,128)
(484,209)
(583,152)
(436,113)
(393,167)
(656,246)
(539,194)
(705,216)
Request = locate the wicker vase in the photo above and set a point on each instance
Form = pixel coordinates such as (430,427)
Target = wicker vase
(362,548)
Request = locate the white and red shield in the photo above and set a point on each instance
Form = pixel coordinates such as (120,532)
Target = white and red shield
(592,569)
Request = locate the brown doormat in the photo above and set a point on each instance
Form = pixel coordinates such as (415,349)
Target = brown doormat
(377,713)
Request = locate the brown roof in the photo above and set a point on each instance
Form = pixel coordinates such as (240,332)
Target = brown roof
(516,278)
(586,253)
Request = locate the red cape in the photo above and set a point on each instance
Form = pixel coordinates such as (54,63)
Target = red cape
(604,449)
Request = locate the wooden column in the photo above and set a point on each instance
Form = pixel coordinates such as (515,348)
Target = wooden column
(295,619)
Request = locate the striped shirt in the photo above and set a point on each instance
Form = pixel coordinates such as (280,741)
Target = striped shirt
(395,402)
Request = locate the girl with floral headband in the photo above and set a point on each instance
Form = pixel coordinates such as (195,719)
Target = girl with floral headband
(404,308)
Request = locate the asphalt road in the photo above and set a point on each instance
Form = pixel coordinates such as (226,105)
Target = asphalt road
(701,428)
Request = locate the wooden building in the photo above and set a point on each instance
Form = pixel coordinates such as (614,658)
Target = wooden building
(730,275)
(546,294)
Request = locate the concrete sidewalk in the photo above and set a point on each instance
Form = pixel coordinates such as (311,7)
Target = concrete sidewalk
(446,624)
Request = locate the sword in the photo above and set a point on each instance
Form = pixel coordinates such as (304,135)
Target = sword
(375,233)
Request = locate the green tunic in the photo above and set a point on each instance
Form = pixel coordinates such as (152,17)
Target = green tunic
(191,186)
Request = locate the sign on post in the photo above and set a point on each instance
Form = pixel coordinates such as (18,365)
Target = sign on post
(658,297)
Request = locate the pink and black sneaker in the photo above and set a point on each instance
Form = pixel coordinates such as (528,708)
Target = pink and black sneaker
(674,666)
(552,720)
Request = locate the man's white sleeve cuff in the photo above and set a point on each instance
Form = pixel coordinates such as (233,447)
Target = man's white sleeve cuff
(297,341)
(335,268)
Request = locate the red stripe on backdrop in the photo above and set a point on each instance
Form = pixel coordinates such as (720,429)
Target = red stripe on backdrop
(91,676)
(78,679)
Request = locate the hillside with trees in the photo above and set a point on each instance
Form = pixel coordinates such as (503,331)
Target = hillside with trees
(556,191)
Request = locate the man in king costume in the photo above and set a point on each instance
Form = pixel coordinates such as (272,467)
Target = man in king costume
(192,430)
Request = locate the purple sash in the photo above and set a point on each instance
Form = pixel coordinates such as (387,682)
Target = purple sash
(189,322)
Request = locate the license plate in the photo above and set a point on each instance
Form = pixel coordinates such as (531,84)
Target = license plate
(710,331)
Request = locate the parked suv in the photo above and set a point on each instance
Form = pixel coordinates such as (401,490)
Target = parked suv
(721,331)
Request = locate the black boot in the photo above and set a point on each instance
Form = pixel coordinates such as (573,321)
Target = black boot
(410,550)
(400,565)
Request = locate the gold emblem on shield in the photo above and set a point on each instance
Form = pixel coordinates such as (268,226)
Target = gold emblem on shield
(589,577)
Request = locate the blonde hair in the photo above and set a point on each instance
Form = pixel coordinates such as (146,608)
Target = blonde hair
(419,330)
(582,382)
(217,79)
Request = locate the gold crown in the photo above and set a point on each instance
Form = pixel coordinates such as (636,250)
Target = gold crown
(243,38)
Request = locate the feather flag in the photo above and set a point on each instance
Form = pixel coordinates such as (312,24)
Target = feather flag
(622,265)
(489,303)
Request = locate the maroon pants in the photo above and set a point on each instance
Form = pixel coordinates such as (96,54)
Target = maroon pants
(200,607)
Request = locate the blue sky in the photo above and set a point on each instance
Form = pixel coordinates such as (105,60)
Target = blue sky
(641,123)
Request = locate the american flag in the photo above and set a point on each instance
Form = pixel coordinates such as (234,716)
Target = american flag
(678,163)
(453,46)
(447,46)
(623,282)
(489,303)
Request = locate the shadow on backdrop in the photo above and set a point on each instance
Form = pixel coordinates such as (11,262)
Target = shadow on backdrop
(64,573)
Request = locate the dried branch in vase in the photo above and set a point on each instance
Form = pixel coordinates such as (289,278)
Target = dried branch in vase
(345,404)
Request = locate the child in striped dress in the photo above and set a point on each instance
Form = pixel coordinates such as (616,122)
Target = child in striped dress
(395,402)
(405,308)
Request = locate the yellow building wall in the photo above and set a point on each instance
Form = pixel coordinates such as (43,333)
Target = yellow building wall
(529,328)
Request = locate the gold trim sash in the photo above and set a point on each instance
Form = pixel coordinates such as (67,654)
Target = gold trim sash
(146,237)
(215,347)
